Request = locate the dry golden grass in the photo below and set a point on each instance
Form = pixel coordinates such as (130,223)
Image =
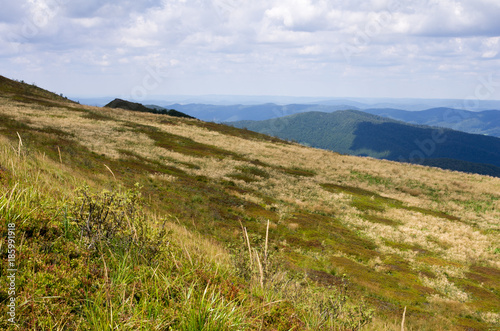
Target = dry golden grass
(474,199)
(108,137)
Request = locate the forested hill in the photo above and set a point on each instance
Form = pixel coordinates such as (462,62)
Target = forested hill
(358,133)
(484,122)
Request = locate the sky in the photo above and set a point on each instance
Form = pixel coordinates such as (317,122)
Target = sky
(342,48)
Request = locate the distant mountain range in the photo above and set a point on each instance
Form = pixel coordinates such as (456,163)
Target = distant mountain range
(359,133)
(385,133)
(445,113)
(484,122)
(412,104)
(230,113)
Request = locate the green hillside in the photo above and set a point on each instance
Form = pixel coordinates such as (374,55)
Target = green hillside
(123,220)
(485,122)
(358,133)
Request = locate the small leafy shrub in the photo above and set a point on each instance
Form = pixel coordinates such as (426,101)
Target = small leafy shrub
(107,216)
(116,219)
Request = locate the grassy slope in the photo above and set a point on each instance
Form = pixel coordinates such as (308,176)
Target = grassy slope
(403,235)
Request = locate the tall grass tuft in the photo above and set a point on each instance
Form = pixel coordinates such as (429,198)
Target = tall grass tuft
(210,311)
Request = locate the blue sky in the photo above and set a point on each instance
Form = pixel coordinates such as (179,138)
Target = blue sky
(339,48)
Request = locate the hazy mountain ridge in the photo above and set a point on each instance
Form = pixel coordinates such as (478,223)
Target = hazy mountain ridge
(410,104)
(477,122)
(227,113)
(416,111)
(359,133)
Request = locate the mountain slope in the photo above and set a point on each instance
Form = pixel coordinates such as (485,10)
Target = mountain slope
(27,93)
(485,122)
(236,230)
(359,133)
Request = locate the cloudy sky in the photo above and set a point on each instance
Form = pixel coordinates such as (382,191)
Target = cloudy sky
(338,48)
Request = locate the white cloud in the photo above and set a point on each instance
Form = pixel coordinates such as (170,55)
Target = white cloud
(299,15)
(268,46)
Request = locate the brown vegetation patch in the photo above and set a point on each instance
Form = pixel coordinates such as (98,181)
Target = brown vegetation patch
(334,235)
(411,191)
(394,285)
(281,316)
(433,213)
(11,124)
(490,272)
(428,274)
(481,298)
(40,101)
(488,277)
(235,132)
(365,201)
(405,247)
(381,220)
(326,279)
(56,132)
(244,177)
(298,172)
(133,163)
(348,189)
(3,173)
(295,241)
(257,211)
(438,261)
(98,116)
(394,262)
(182,144)
(471,323)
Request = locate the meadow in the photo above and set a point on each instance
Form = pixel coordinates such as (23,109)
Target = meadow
(130,221)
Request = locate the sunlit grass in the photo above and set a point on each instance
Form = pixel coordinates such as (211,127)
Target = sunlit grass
(404,235)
